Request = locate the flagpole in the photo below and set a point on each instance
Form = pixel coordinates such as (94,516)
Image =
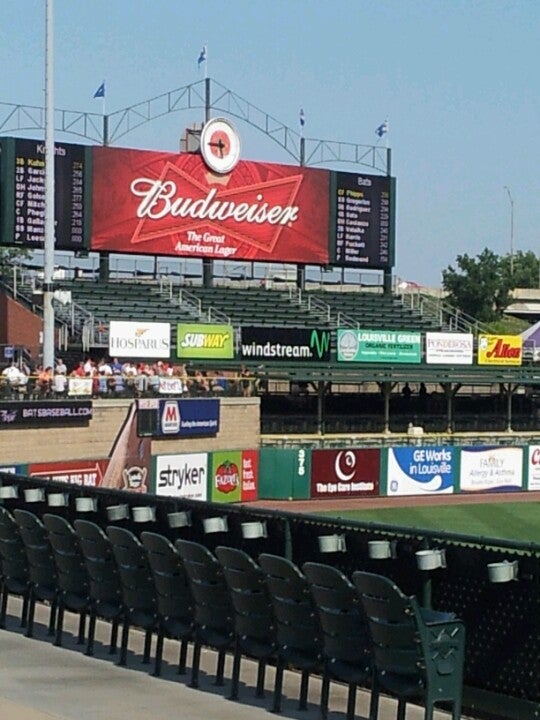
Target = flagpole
(206,61)
(48,245)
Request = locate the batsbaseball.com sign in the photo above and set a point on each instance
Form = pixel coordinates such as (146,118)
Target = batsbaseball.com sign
(172,204)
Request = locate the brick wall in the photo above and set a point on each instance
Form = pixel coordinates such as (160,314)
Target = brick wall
(19,326)
(239,423)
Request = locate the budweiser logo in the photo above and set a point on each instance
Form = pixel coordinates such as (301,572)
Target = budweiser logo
(176,203)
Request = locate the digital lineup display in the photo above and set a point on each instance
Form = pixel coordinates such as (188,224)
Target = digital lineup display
(362,220)
(22,191)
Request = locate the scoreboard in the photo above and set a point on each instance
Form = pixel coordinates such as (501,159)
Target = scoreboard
(362,220)
(22,194)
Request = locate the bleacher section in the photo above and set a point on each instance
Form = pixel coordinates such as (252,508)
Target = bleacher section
(239,306)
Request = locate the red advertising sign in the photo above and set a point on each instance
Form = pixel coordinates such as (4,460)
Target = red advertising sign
(250,475)
(88,473)
(345,473)
(158,203)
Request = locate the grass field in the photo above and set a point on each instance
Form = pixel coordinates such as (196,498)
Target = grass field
(509,521)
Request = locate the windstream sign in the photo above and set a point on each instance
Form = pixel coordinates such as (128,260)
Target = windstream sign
(288,344)
(205,341)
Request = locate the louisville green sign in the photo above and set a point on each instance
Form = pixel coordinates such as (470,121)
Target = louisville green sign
(379,346)
(205,341)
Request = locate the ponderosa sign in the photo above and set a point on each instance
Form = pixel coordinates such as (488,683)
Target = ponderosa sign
(172,204)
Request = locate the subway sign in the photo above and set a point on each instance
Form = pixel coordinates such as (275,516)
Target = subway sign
(199,341)
(290,344)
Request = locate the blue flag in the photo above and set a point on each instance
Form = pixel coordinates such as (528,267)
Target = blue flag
(382,129)
(100,92)
(202,56)
(302,118)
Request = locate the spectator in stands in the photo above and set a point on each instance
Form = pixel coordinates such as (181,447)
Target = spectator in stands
(60,382)
(116,365)
(219,383)
(89,367)
(79,370)
(60,367)
(245,381)
(406,391)
(44,381)
(118,383)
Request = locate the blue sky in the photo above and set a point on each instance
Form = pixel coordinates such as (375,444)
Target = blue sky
(455,78)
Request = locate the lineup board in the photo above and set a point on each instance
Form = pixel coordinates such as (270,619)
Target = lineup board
(362,220)
(22,193)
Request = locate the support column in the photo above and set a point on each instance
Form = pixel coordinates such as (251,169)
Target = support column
(321,386)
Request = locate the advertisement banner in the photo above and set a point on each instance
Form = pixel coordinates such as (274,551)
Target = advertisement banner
(250,475)
(184,476)
(170,386)
(449,348)
(188,418)
(205,341)
(158,203)
(80,386)
(88,473)
(14,469)
(533,468)
(44,413)
(234,476)
(491,469)
(274,343)
(345,473)
(420,470)
(379,346)
(226,478)
(500,349)
(139,339)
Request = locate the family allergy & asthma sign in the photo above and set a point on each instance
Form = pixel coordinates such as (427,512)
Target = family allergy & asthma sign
(172,204)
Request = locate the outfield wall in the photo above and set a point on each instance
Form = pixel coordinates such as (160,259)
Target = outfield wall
(237,475)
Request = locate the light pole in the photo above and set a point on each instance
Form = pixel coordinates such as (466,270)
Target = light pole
(511,229)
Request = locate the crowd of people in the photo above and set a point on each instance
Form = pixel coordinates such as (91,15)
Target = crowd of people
(112,377)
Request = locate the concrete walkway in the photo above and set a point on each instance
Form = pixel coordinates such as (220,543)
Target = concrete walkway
(41,682)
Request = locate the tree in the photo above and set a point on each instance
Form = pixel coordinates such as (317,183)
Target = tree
(480,286)
(522,270)
(10,256)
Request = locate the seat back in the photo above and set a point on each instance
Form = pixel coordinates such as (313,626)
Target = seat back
(214,614)
(14,562)
(419,650)
(253,615)
(39,553)
(298,630)
(138,589)
(170,579)
(345,633)
(72,575)
(101,566)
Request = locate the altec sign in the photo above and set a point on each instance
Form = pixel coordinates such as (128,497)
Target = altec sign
(169,204)
(499,349)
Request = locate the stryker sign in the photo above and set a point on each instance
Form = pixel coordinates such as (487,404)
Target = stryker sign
(182,475)
(139,339)
(171,204)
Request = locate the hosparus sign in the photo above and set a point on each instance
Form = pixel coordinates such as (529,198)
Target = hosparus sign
(345,473)
(171,204)
(271,343)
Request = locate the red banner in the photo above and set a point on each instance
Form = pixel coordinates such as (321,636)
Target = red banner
(345,473)
(88,473)
(171,204)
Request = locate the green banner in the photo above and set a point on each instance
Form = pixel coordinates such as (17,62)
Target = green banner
(205,341)
(225,480)
(379,346)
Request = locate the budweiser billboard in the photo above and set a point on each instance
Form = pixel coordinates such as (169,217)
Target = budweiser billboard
(159,203)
